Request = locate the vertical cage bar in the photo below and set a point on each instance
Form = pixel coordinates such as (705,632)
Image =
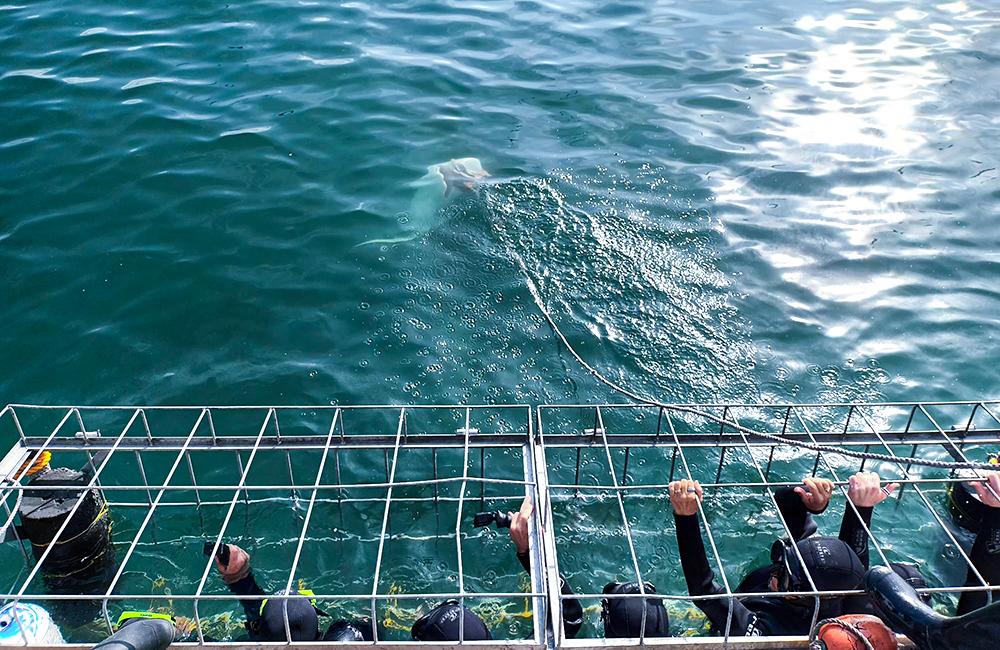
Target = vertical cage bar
(708,532)
(625,524)
(145,481)
(149,516)
(458,523)
(385,514)
(308,517)
(545,519)
(722,450)
(784,524)
(534,486)
(229,516)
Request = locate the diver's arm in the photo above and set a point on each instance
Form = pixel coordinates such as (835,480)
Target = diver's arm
(798,519)
(701,581)
(247,586)
(685,497)
(572,610)
(985,557)
(798,505)
(238,576)
(865,491)
(853,533)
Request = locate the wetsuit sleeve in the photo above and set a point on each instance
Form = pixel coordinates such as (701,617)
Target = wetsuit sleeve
(986,558)
(795,514)
(853,533)
(251,607)
(701,581)
(525,561)
(572,610)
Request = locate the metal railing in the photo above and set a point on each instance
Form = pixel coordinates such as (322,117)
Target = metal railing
(396,461)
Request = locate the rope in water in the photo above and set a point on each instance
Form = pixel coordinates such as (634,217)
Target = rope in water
(863,455)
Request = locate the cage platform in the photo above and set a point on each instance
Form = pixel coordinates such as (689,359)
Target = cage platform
(370,507)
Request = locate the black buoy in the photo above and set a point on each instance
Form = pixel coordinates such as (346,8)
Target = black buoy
(82,558)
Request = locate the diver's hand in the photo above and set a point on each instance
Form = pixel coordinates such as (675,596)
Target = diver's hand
(815,494)
(519,525)
(865,490)
(985,495)
(685,496)
(238,567)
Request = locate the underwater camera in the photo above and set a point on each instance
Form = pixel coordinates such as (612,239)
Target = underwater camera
(501,519)
(222,554)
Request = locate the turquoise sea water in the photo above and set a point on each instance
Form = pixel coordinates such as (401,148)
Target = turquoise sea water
(788,201)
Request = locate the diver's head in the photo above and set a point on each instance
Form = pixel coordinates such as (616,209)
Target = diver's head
(622,617)
(833,565)
(357,630)
(447,622)
(303,622)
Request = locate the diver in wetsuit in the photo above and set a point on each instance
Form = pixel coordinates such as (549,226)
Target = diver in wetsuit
(866,496)
(976,625)
(266,619)
(622,617)
(985,553)
(450,621)
(833,563)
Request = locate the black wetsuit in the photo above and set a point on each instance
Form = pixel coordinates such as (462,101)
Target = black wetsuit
(572,611)
(761,615)
(985,556)
(251,607)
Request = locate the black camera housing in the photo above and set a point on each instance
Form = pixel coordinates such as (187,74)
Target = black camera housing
(501,519)
(222,554)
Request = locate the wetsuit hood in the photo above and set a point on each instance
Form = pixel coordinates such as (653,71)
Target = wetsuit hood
(303,622)
(447,622)
(622,617)
(833,565)
(357,630)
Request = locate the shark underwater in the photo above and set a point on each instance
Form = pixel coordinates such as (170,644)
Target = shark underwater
(431,192)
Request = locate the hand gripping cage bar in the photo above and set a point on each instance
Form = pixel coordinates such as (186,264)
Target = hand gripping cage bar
(613,432)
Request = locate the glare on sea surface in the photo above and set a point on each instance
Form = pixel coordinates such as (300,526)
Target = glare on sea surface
(851,105)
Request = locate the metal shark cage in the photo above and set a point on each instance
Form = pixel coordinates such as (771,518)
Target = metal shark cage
(203,470)
(591,453)
(287,482)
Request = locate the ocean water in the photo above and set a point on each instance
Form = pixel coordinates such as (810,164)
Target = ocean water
(784,201)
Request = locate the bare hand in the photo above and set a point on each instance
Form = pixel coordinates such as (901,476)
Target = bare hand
(985,495)
(238,567)
(519,525)
(815,494)
(685,496)
(865,490)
